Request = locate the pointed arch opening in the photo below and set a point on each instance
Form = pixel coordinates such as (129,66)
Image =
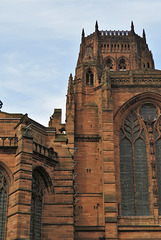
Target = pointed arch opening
(40,183)
(89,78)
(133,167)
(122,65)
(6,178)
(109,64)
(3,203)
(138,128)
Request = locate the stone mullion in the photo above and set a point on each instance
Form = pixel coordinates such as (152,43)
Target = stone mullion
(153,169)
(133,162)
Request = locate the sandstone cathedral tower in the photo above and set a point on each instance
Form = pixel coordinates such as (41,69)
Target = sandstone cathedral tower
(114,105)
(98,176)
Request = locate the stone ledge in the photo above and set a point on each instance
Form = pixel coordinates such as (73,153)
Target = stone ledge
(110,219)
(89,228)
(110,209)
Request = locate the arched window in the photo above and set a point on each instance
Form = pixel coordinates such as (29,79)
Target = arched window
(140,154)
(3,204)
(122,65)
(36,207)
(109,64)
(89,78)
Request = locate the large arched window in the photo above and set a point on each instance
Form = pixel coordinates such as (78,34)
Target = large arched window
(3,204)
(36,207)
(140,160)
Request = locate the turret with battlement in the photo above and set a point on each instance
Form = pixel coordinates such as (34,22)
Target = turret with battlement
(115,84)
(116,50)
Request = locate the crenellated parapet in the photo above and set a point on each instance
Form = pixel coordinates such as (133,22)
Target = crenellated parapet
(111,33)
(115,50)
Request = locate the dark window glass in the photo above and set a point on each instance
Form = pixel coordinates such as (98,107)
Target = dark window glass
(36,209)
(109,64)
(3,204)
(141,178)
(126,171)
(122,64)
(148,112)
(133,168)
(89,78)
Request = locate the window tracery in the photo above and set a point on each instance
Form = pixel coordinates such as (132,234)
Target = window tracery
(140,158)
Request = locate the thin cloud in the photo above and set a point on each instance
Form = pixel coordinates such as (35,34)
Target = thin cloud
(40,44)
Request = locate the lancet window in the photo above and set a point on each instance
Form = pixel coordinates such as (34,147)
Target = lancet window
(140,160)
(36,207)
(3,204)
(89,78)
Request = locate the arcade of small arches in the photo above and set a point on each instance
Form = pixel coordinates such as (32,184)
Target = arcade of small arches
(121,64)
(115,47)
(109,64)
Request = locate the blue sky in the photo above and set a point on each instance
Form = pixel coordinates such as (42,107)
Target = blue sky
(39,46)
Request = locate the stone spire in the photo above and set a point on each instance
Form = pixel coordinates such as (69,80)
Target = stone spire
(70,84)
(144,35)
(132,27)
(83,35)
(96,27)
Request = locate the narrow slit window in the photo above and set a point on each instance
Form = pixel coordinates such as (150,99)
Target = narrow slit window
(36,208)
(89,78)
(3,204)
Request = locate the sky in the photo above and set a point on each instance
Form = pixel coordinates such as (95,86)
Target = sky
(39,46)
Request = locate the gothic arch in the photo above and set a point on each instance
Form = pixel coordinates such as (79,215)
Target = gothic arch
(6,179)
(123,63)
(89,77)
(40,182)
(134,101)
(106,62)
(47,182)
(7,172)
(137,155)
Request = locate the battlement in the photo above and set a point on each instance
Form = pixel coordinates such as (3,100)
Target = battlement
(114,33)
(116,50)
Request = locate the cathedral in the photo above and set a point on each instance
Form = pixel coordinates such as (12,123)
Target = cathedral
(98,176)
